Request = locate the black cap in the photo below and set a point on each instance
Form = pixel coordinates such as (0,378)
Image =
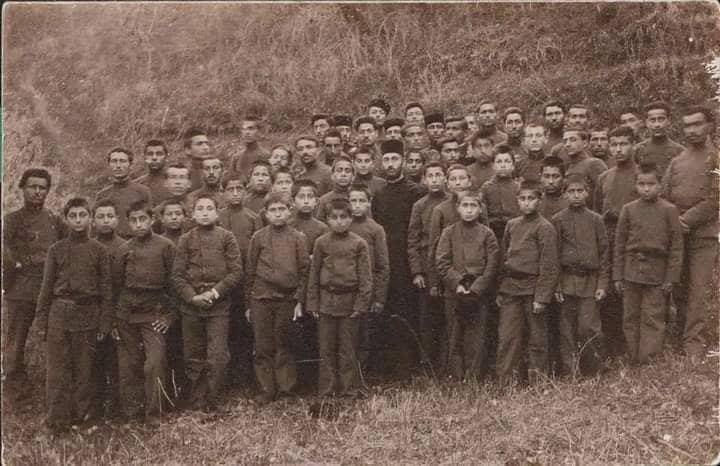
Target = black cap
(364,119)
(393,122)
(342,120)
(319,116)
(381,104)
(393,146)
(434,117)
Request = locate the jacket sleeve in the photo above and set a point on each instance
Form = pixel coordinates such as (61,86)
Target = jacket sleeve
(621,236)
(603,254)
(548,270)
(705,211)
(365,279)
(414,242)
(666,184)
(179,278)
(312,301)
(117,270)
(44,301)
(381,274)
(168,260)
(492,252)
(444,261)
(107,313)
(234,264)
(251,266)
(303,262)
(675,257)
(557,224)
(436,229)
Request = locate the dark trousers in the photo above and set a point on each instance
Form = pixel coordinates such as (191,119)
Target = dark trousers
(240,343)
(433,333)
(397,333)
(467,333)
(143,369)
(522,340)
(206,356)
(339,360)
(106,378)
(275,366)
(644,320)
(580,335)
(611,313)
(17,319)
(177,380)
(69,384)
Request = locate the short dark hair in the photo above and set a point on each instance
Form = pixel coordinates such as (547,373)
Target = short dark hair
(274,197)
(554,161)
(365,149)
(340,203)
(172,201)
(140,206)
(155,143)
(415,151)
(457,166)
(260,163)
(577,129)
(482,133)
(363,119)
(320,116)
(503,149)
(191,133)
(622,131)
(473,193)
(553,103)
(708,113)
(76,202)
(306,138)
(629,109)
(205,196)
(342,158)
(280,171)
(178,166)
(234,177)
(333,133)
(576,178)
(650,169)
(360,188)
(657,105)
(435,165)
(121,150)
(104,203)
(35,173)
(531,185)
(511,110)
(304,183)
(446,139)
(414,105)
(487,102)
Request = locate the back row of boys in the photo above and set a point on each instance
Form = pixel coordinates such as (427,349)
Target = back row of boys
(411,254)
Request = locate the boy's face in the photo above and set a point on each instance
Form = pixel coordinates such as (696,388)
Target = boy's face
(483,150)
(657,122)
(414,115)
(514,125)
(554,117)
(277,214)
(307,150)
(279,158)
(647,186)
(435,179)
(260,179)
(393,133)
(695,128)
(435,130)
(359,203)
(105,220)
(35,191)
(177,181)
(363,163)
(576,194)
(305,200)
(155,158)
(504,165)
(414,137)
(342,174)
(621,148)
(454,129)
(212,171)
(631,120)
(249,131)
(392,164)
(119,163)
(283,183)
(199,147)
(534,139)
(205,212)
(528,201)
(413,164)
(139,222)
(458,180)
(345,133)
(551,179)
(578,116)
(320,127)
(450,152)
(599,143)
(339,220)
(378,114)
(574,143)
(78,219)
(469,209)
(471,122)
(367,134)
(487,115)
(234,192)
(333,145)
(173,217)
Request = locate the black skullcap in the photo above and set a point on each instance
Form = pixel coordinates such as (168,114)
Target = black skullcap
(319,116)
(434,117)
(393,146)
(393,122)
(381,104)
(364,119)
(342,120)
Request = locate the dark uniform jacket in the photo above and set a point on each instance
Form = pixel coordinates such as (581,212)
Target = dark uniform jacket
(255,201)
(530,167)
(124,194)
(76,293)
(27,235)
(419,231)
(311,227)
(500,198)
(480,173)
(468,250)
(215,192)
(206,258)
(242,161)
(371,182)
(340,281)
(658,152)
(648,243)
(615,188)
(374,235)
(323,206)
(142,269)
(550,204)
(243,223)
(319,173)
(530,258)
(155,182)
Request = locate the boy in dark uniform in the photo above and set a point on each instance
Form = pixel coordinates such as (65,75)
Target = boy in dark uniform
(363,163)
(342,176)
(173,219)
(74,310)
(156,154)
(258,185)
(487,119)
(554,116)
(435,124)
(303,220)
(658,149)
(481,147)
(514,124)
(212,175)
(499,193)
(552,178)
(197,148)
(340,290)
(320,123)
(250,150)
(28,233)
(534,141)
(309,167)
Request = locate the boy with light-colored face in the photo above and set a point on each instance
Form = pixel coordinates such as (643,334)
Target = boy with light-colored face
(534,139)
(472,123)
(414,114)
(279,157)
(414,137)
(414,163)
(205,212)
(140,222)
(504,165)
(119,163)
(342,174)
(105,220)
(450,150)
(173,217)
(363,163)
(278,214)
(574,142)
(435,178)
(282,182)
(577,193)
(177,180)
(458,179)
(306,200)
(212,172)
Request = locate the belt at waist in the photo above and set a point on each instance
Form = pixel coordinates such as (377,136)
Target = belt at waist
(577,270)
(81,301)
(338,289)
(203,287)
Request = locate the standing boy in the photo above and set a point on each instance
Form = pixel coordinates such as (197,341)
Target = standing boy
(552,178)
(258,186)
(156,155)
(207,267)
(499,193)
(363,162)
(658,149)
(528,278)
(277,268)
(342,176)
(340,291)
(534,141)
(212,175)
(309,167)
(481,147)
(467,259)
(646,264)
(74,310)
(303,220)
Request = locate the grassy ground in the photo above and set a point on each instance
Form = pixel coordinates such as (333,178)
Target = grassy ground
(662,413)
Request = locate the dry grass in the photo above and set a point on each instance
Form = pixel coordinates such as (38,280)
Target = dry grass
(663,413)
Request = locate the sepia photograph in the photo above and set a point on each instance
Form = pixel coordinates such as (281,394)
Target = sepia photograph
(360,233)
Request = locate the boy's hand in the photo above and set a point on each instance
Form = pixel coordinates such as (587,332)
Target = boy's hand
(297,312)
(684,226)
(619,287)
(248,316)
(461,290)
(434,292)
(377,308)
(315,314)
(538,308)
(559,297)
(355,315)
(667,287)
(600,294)
(114,334)
(419,281)
(498,301)
(100,336)
(203,300)
(160,326)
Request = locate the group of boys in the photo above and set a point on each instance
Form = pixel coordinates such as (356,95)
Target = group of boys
(429,242)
